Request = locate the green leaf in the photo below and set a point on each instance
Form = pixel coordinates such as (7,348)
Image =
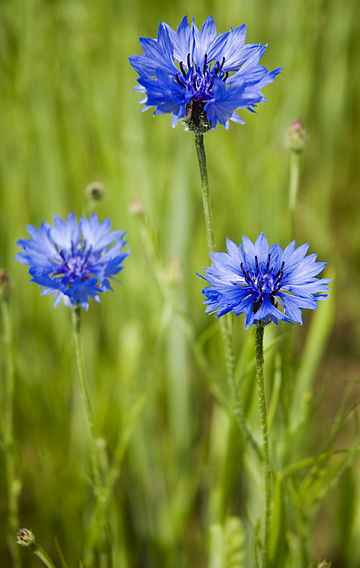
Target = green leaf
(278,542)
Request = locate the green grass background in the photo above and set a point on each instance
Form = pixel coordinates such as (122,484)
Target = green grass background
(69,116)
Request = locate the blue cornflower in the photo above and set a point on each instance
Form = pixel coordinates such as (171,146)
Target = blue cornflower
(201,76)
(73,260)
(265,283)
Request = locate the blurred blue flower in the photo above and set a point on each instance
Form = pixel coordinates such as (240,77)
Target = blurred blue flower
(200,75)
(73,260)
(265,283)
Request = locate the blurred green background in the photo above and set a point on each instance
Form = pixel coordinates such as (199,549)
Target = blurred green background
(69,117)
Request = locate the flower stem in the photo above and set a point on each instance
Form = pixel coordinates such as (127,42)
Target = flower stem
(201,155)
(44,557)
(225,322)
(100,532)
(259,355)
(13,485)
(293,188)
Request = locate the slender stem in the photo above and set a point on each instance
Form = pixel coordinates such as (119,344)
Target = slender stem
(293,188)
(238,409)
(13,485)
(44,557)
(100,523)
(85,397)
(259,355)
(225,322)
(286,349)
(201,155)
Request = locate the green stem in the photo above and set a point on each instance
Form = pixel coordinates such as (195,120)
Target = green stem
(293,188)
(259,354)
(201,155)
(225,322)
(287,388)
(13,486)
(44,557)
(100,523)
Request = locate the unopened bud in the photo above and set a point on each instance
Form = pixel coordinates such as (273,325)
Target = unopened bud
(296,136)
(136,207)
(25,537)
(4,285)
(324,564)
(95,191)
(174,270)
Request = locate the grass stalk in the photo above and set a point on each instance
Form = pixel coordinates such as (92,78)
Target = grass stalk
(13,485)
(99,537)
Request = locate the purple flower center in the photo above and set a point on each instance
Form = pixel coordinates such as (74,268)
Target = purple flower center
(199,81)
(263,280)
(75,265)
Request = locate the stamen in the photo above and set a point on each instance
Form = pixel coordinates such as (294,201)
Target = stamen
(205,62)
(211,83)
(268,262)
(194,82)
(279,277)
(225,76)
(216,68)
(246,275)
(280,274)
(179,80)
(60,251)
(256,262)
(87,255)
(222,63)
(182,69)
(188,60)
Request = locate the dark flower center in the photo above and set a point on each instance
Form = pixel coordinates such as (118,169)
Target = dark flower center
(264,281)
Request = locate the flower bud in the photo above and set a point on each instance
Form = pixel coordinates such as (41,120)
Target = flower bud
(296,136)
(136,207)
(25,537)
(95,191)
(4,285)
(324,564)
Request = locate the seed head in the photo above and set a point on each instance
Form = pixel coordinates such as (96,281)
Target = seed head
(95,191)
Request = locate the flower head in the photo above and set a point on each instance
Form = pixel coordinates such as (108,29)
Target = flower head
(25,537)
(265,283)
(73,260)
(200,75)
